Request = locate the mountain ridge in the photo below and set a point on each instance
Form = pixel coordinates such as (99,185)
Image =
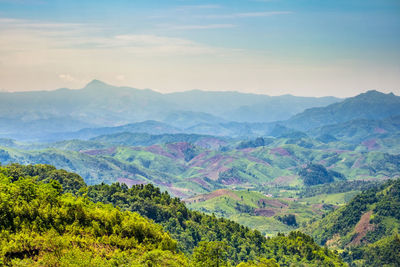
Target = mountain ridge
(369,105)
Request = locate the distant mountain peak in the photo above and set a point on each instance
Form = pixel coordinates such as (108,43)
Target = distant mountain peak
(374,96)
(375,93)
(371,105)
(96,84)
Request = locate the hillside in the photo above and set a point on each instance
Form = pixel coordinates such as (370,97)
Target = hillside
(360,130)
(263,212)
(98,234)
(371,105)
(202,164)
(40,226)
(367,227)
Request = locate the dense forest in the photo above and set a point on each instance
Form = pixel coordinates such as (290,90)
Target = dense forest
(50,217)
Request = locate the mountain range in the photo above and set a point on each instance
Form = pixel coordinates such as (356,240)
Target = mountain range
(33,115)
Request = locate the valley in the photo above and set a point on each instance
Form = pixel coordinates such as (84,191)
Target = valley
(273,177)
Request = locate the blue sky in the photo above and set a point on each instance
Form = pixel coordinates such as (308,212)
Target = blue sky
(301,47)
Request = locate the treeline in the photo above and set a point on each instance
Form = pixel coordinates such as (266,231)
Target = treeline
(80,228)
(337,187)
(41,226)
(315,174)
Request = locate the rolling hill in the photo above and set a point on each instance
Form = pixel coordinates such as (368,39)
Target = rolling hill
(367,227)
(191,164)
(41,225)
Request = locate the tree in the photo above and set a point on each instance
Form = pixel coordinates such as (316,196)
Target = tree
(211,254)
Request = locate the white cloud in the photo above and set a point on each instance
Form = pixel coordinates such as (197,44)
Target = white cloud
(67,78)
(24,35)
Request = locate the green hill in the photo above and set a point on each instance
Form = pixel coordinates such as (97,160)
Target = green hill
(204,164)
(359,130)
(65,229)
(369,223)
(40,226)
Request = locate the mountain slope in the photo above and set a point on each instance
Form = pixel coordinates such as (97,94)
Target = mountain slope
(370,220)
(359,130)
(40,226)
(124,237)
(371,105)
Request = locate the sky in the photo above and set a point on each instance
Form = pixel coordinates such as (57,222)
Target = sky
(300,47)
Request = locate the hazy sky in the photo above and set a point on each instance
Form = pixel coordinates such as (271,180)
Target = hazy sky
(300,47)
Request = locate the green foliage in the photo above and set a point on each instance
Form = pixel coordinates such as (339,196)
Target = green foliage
(261,262)
(314,174)
(337,187)
(302,248)
(41,226)
(288,219)
(260,141)
(188,227)
(211,254)
(379,245)
(192,228)
(71,182)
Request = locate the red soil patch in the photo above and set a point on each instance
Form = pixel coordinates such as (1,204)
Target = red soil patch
(157,149)
(337,151)
(174,150)
(130,182)
(178,192)
(231,181)
(264,212)
(284,180)
(357,163)
(254,159)
(217,193)
(317,208)
(248,149)
(95,152)
(162,183)
(280,151)
(371,144)
(210,143)
(211,167)
(362,228)
(200,181)
(379,130)
(177,149)
(273,202)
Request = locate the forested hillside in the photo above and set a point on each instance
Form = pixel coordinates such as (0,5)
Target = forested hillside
(64,228)
(367,227)
(40,226)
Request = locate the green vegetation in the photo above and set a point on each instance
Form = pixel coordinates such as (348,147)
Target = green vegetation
(265,179)
(315,174)
(40,225)
(367,226)
(337,187)
(270,215)
(186,165)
